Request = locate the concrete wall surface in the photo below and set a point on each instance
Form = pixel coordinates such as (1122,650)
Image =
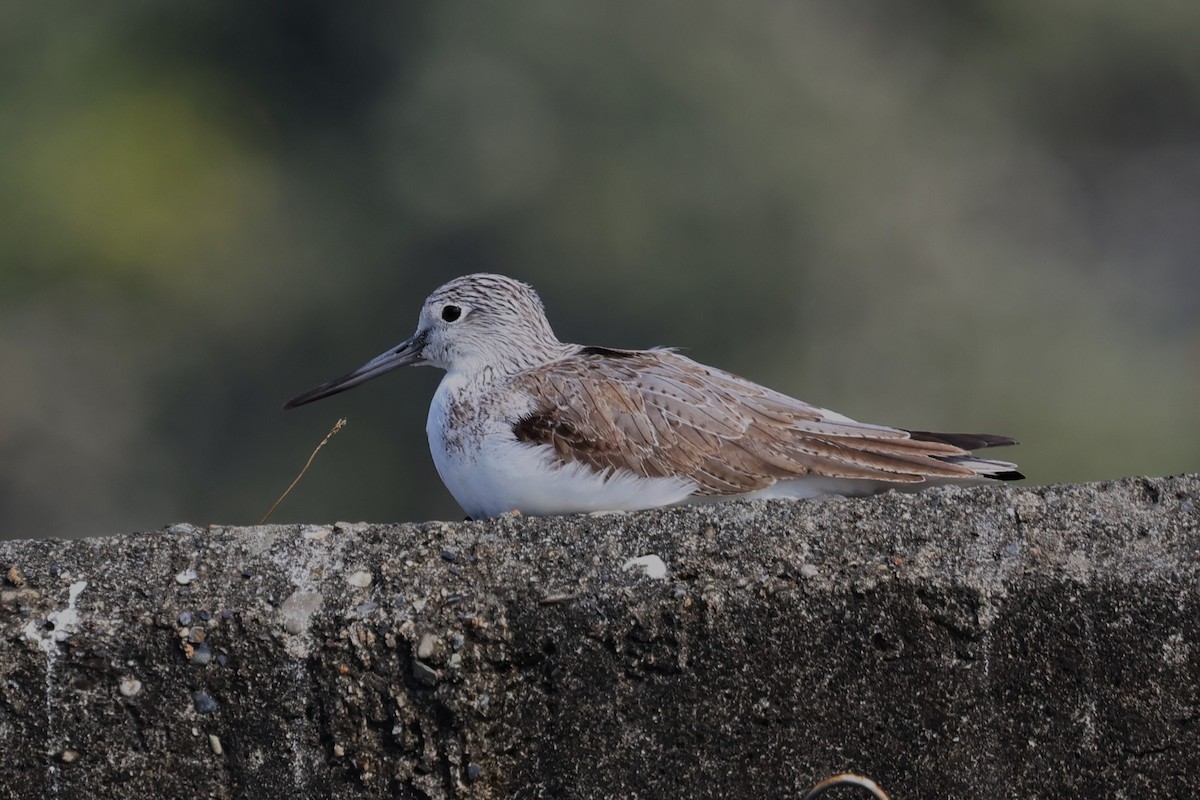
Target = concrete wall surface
(983,643)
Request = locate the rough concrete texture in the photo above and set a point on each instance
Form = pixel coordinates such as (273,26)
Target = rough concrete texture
(989,643)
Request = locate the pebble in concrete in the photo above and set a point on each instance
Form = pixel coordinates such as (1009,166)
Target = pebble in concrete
(202,654)
(204,703)
(360,579)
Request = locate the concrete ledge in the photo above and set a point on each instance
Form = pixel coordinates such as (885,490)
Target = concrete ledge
(989,643)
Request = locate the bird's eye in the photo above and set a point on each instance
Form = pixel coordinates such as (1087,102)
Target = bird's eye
(451,313)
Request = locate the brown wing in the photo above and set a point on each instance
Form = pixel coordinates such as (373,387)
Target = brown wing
(659,414)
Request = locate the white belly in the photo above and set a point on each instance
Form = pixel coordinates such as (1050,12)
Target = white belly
(520,477)
(490,473)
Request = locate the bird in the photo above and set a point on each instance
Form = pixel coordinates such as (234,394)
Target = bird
(525,423)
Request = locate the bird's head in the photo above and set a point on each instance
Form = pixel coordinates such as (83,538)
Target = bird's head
(470,325)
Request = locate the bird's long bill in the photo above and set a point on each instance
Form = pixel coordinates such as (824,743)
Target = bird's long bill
(405,354)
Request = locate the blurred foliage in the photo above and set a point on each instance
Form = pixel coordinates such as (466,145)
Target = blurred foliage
(976,216)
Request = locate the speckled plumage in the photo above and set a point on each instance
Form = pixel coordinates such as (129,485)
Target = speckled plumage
(525,422)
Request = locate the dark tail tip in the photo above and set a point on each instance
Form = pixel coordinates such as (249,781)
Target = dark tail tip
(1010,475)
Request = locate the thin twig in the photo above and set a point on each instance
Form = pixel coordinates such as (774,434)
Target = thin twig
(845,779)
(337,426)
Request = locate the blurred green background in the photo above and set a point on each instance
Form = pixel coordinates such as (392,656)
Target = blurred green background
(958,216)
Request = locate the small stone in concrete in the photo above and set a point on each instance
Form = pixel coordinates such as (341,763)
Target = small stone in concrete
(204,703)
(129,687)
(202,654)
(214,742)
(68,756)
(427,647)
(473,772)
(186,577)
(185,618)
(360,579)
(425,674)
(298,608)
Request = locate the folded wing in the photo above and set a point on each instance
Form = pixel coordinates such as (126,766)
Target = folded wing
(659,414)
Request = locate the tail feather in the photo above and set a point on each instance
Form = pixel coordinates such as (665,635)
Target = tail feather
(967,441)
(985,467)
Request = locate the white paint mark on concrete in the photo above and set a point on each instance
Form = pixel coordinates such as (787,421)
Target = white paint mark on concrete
(651,565)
